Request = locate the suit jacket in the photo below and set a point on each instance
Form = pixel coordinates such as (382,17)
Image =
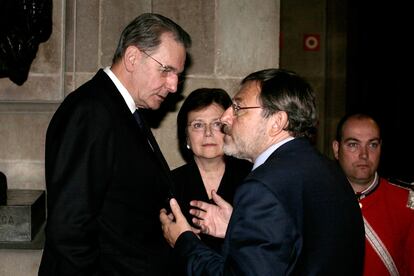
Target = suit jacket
(189,186)
(296,214)
(104,189)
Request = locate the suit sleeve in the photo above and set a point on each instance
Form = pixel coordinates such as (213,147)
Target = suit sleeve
(78,166)
(260,239)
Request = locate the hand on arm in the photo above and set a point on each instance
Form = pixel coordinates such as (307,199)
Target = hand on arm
(212,219)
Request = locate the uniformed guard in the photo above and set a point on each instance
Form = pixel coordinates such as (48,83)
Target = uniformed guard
(387,206)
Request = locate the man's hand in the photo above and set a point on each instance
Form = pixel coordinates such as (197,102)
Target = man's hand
(212,219)
(173,224)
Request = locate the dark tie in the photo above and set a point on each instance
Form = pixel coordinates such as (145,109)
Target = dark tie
(155,148)
(147,131)
(138,118)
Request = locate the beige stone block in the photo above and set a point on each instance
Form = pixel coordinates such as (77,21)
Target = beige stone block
(81,78)
(49,56)
(247,36)
(19,262)
(69,82)
(115,16)
(87,36)
(167,140)
(231,85)
(38,88)
(73,81)
(23,134)
(24,173)
(69,35)
(198,19)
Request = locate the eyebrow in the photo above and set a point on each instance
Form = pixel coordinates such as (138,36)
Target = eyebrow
(162,64)
(202,120)
(352,139)
(172,68)
(237,99)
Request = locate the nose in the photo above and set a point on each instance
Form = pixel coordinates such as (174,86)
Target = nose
(227,117)
(172,83)
(363,152)
(207,130)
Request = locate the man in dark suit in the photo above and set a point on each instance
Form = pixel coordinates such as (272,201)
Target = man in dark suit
(295,213)
(106,179)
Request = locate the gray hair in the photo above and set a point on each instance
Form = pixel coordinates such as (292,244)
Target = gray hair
(145,32)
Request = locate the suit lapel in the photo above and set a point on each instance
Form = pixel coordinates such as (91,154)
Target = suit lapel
(156,149)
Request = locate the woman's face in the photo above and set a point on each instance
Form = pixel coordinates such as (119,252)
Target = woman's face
(204,134)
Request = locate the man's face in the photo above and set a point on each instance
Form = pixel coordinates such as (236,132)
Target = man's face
(246,130)
(150,83)
(359,150)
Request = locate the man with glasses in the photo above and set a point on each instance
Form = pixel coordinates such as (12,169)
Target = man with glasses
(295,213)
(105,176)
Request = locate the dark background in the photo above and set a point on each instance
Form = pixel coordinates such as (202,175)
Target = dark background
(380,77)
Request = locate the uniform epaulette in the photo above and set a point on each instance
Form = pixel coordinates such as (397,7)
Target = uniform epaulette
(401,183)
(405,185)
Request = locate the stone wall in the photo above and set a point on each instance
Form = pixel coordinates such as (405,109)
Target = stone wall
(231,38)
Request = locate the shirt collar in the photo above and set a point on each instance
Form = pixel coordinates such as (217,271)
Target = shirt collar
(121,88)
(370,189)
(264,155)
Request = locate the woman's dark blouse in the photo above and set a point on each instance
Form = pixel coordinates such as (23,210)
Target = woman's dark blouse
(189,186)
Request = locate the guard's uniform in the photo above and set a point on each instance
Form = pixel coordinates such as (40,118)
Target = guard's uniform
(385,209)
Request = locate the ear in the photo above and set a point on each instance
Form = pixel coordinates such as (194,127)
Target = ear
(131,57)
(335,148)
(279,122)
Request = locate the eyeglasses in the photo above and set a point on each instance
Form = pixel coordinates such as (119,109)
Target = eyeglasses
(165,69)
(236,108)
(201,126)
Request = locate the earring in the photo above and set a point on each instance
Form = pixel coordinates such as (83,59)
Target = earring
(188,146)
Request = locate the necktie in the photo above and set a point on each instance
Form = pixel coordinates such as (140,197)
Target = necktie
(138,118)
(147,131)
(156,149)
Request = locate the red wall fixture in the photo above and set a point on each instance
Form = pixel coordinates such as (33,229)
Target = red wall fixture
(311,42)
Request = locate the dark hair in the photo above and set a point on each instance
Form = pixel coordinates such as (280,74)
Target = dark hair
(145,32)
(283,90)
(196,100)
(344,119)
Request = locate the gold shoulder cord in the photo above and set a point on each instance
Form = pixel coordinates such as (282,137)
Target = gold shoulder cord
(410,201)
(405,185)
